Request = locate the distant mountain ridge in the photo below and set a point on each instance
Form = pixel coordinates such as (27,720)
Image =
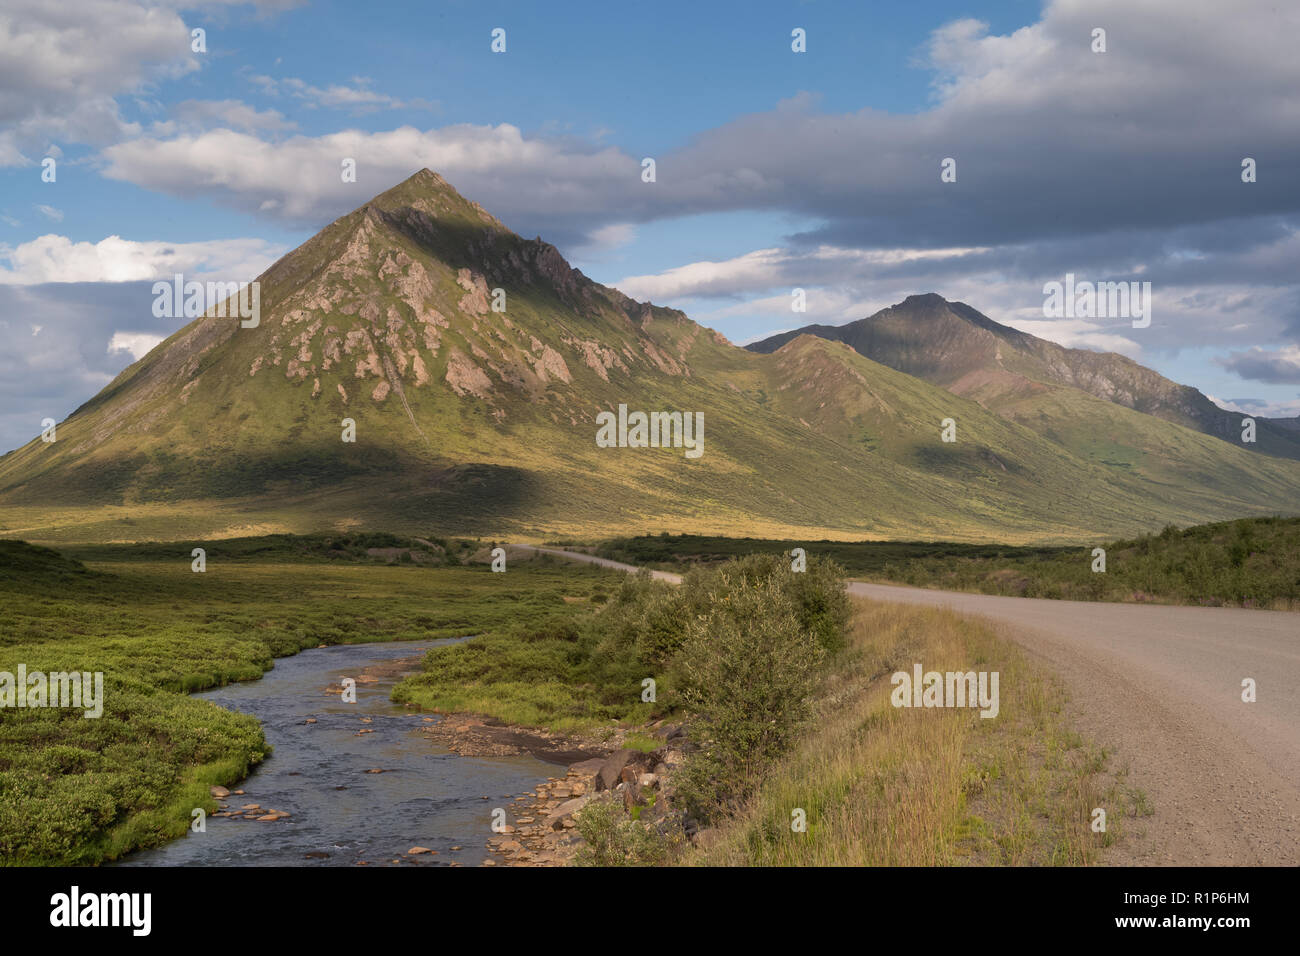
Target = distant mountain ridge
(952,345)
(472,365)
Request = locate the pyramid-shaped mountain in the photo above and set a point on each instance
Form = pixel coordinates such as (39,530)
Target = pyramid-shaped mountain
(474,366)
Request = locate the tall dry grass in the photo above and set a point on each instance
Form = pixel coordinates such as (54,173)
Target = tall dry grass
(886,786)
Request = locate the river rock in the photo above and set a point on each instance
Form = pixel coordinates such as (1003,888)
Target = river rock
(219,792)
(586,767)
(416,850)
(555,819)
(610,771)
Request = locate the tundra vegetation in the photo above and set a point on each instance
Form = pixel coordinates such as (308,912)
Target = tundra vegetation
(1250,562)
(780,679)
(783,683)
(82,791)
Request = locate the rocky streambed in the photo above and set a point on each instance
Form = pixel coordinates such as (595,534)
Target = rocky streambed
(543,828)
(351,783)
(369,783)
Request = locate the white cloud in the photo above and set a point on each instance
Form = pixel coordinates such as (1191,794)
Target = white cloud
(1194,304)
(1262,407)
(51,213)
(359,98)
(62,63)
(1076,333)
(769,268)
(53,258)
(139,344)
(235,114)
(298,179)
(612,236)
(759,269)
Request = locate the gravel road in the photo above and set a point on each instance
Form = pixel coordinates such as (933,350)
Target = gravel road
(1161,687)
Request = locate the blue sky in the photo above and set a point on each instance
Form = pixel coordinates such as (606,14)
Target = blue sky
(775,169)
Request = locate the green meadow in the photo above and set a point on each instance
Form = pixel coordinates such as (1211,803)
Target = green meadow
(558,645)
(75,790)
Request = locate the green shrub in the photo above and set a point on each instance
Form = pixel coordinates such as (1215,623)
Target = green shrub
(746,670)
(614,839)
(822,602)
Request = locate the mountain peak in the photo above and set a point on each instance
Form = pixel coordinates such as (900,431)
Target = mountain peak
(418,308)
(923,298)
(428,196)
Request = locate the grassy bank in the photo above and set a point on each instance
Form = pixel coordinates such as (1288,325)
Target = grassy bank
(887,786)
(1252,562)
(78,790)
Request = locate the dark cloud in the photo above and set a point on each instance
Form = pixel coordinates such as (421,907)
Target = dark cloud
(1281,367)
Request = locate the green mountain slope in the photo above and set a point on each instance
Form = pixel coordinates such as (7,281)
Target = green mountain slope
(953,345)
(470,420)
(1062,453)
